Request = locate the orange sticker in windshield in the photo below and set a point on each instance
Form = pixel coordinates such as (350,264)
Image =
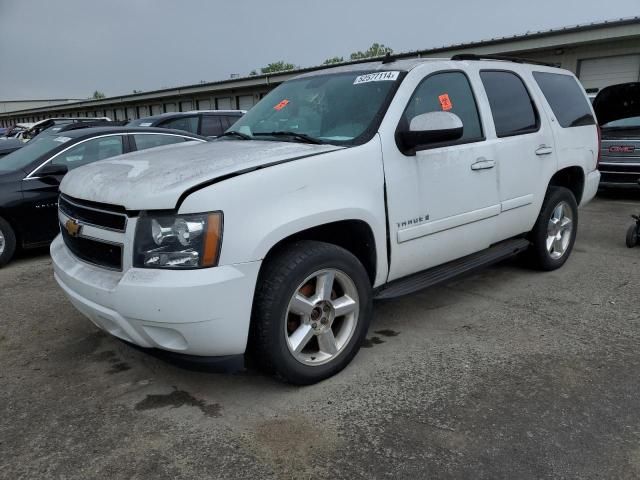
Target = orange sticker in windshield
(445,102)
(281,105)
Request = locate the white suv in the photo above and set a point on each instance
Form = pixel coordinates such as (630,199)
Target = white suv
(342,185)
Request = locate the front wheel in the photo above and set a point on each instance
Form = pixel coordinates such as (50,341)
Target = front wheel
(554,233)
(7,242)
(311,311)
(633,235)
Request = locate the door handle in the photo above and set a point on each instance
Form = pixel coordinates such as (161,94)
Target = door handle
(544,150)
(483,164)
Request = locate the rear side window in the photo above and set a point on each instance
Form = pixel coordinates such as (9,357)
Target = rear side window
(565,98)
(211,126)
(144,141)
(90,151)
(229,121)
(188,124)
(451,92)
(511,106)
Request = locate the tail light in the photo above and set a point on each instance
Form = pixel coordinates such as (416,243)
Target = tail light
(599,146)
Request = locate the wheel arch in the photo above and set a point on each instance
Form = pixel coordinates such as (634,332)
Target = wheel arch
(354,235)
(4,214)
(572,178)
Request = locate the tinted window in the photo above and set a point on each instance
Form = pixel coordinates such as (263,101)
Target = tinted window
(449,92)
(21,158)
(188,124)
(229,121)
(631,122)
(145,141)
(211,126)
(566,99)
(511,106)
(90,151)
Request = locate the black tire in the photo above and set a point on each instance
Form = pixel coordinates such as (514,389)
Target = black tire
(633,236)
(280,277)
(538,255)
(9,242)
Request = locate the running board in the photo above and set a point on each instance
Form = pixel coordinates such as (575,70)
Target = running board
(442,273)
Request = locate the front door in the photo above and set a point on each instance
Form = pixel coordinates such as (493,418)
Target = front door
(442,200)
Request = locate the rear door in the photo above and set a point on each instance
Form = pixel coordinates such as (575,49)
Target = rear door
(212,125)
(189,123)
(524,149)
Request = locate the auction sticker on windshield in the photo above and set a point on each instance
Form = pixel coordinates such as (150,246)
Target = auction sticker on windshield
(281,105)
(61,139)
(376,77)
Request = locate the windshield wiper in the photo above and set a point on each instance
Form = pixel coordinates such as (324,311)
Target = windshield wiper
(235,133)
(302,137)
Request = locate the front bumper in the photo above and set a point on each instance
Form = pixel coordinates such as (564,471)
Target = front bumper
(196,312)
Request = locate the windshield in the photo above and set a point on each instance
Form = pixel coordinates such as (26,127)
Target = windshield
(339,108)
(40,145)
(631,122)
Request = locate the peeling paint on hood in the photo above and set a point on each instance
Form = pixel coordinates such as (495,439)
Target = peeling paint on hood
(156,178)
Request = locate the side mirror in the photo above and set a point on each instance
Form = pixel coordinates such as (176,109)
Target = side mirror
(52,170)
(430,128)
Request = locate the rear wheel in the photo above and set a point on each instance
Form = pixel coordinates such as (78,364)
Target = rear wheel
(554,233)
(633,235)
(7,242)
(311,312)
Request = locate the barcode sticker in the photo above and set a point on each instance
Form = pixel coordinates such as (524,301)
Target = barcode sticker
(376,77)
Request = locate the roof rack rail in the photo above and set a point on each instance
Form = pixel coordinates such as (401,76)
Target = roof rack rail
(505,58)
(80,125)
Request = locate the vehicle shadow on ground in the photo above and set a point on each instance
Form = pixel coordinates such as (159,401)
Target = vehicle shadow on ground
(31,253)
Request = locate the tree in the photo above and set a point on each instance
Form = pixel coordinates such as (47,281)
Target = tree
(333,60)
(98,95)
(280,66)
(375,50)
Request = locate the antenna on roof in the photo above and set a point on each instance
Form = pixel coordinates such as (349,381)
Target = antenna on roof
(388,58)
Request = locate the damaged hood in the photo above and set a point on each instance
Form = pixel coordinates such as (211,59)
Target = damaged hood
(156,178)
(617,102)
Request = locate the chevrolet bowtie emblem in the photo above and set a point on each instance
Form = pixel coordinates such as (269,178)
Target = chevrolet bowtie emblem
(72,227)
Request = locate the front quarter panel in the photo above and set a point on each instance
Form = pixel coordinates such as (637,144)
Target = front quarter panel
(265,206)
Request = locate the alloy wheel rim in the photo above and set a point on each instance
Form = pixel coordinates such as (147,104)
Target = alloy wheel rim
(321,317)
(559,230)
(2,243)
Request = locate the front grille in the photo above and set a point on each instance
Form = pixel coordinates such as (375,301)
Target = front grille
(99,253)
(90,213)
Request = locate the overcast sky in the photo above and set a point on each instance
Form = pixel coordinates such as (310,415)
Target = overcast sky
(69,48)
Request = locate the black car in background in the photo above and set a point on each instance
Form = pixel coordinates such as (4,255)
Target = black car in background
(60,122)
(8,145)
(30,176)
(618,110)
(208,123)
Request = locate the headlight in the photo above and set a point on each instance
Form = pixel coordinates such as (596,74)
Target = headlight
(178,241)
